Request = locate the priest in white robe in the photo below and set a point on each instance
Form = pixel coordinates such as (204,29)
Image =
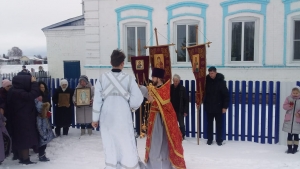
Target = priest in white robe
(116,96)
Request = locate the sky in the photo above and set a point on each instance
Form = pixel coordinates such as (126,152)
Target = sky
(21,22)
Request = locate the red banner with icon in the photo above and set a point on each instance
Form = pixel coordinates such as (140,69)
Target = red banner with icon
(198,60)
(160,58)
(140,67)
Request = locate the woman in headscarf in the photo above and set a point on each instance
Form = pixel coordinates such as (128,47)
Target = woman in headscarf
(63,115)
(84,113)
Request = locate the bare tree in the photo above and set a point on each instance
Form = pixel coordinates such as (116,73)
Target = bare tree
(15,51)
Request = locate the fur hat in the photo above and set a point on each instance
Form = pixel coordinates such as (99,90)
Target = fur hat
(6,83)
(157,72)
(84,78)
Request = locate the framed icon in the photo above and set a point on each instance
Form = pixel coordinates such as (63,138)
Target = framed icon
(139,64)
(159,61)
(83,96)
(63,99)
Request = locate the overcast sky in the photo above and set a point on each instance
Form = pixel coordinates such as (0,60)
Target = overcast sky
(21,22)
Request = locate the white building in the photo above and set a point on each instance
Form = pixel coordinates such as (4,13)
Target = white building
(251,39)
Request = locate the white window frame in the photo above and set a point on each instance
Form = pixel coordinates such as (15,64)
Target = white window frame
(133,24)
(186,22)
(295,18)
(256,38)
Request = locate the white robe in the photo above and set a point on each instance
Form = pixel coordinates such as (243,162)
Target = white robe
(116,125)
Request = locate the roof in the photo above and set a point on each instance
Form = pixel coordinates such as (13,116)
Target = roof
(76,21)
(26,58)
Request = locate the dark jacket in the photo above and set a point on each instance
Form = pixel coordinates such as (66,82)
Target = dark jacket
(23,112)
(216,94)
(63,115)
(3,96)
(183,100)
(45,131)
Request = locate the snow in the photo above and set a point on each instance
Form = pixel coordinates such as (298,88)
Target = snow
(75,152)
(18,68)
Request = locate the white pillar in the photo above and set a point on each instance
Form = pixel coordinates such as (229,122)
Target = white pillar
(285,90)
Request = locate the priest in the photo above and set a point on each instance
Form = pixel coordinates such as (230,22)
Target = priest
(164,140)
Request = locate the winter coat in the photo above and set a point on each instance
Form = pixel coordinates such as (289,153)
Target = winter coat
(216,94)
(63,115)
(23,112)
(5,141)
(291,122)
(45,131)
(84,113)
(183,100)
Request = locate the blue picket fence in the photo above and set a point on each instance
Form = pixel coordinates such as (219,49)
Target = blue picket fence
(252,115)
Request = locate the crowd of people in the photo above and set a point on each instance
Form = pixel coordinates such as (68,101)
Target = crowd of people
(25,115)
(25,112)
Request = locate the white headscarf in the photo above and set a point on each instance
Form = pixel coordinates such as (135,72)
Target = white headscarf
(62,82)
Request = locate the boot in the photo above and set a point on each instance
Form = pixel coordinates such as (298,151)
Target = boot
(89,131)
(26,162)
(295,148)
(82,132)
(43,158)
(290,147)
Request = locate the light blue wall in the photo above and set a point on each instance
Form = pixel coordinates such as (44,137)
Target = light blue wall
(134,6)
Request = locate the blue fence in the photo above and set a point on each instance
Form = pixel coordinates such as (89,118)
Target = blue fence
(252,115)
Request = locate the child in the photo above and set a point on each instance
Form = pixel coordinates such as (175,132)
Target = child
(292,120)
(44,128)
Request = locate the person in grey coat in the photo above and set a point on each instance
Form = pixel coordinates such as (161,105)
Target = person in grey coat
(45,130)
(84,113)
(291,123)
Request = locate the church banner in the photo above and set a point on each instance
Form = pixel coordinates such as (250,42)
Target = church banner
(198,60)
(140,67)
(160,58)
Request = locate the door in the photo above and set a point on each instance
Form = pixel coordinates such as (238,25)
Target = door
(72,69)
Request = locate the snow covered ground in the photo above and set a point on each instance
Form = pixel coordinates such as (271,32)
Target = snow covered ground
(70,152)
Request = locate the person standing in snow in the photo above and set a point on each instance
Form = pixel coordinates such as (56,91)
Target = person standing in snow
(84,113)
(216,102)
(45,130)
(117,95)
(291,123)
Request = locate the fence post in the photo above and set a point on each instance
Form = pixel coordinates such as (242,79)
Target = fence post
(187,121)
(236,110)
(263,113)
(250,113)
(193,114)
(229,116)
(243,111)
(277,112)
(285,90)
(270,112)
(256,111)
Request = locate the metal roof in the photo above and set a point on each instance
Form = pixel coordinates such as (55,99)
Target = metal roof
(69,22)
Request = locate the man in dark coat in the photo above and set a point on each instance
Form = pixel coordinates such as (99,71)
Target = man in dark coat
(23,113)
(180,102)
(215,103)
(63,115)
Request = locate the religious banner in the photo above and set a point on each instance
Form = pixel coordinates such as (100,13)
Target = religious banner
(198,60)
(160,58)
(140,67)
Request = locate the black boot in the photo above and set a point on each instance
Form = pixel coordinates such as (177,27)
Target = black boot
(209,142)
(65,131)
(295,148)
(290,149)
(57,131)
(43,158)
(26,162)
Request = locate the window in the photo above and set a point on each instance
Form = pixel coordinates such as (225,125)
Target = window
(135,41)
(296,41)
(186,36)
(243,41)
